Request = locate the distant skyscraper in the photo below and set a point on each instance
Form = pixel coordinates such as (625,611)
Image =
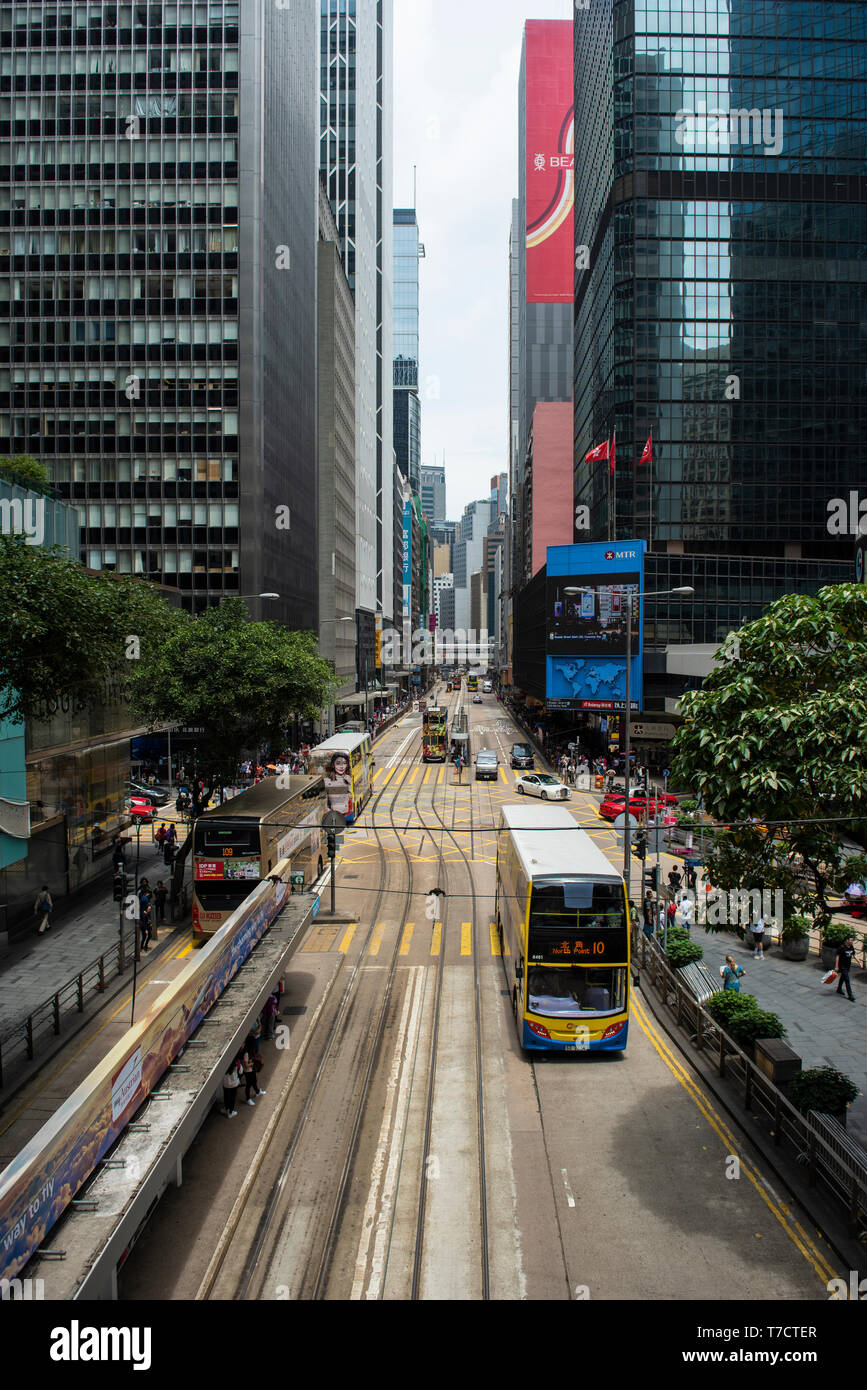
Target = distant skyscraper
(433,493)
(168,267)
(407,404)
(356,161)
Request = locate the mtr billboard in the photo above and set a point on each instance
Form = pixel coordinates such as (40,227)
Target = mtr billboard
(592,614)
(550,160)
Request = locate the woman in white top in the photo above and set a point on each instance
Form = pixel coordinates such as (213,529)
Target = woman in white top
(758,930)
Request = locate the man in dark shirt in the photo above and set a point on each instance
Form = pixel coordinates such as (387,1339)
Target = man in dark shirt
(844,964)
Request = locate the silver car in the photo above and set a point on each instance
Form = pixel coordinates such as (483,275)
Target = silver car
(542,784)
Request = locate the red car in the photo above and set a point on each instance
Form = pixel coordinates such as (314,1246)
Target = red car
(640,806)
(140,808)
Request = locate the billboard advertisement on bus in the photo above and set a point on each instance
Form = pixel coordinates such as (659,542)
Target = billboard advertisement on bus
(592,613)
(550,160)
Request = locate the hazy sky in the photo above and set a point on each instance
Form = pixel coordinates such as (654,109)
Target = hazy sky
(456,66)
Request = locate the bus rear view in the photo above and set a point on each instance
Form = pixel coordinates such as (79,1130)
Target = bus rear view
(562,914)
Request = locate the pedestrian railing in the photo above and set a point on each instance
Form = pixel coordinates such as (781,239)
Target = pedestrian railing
(26,1038)
(832,1158)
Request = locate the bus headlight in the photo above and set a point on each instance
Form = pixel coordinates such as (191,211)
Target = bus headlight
(613,1030)
(539,1029)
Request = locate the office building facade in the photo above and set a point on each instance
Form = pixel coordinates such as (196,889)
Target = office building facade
(157,301)
(408,250)
(356,162)
(433,493)
(720,188)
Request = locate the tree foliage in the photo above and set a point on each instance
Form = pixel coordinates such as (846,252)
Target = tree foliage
(26,471)
(64,628)
(779,734)
(241,682)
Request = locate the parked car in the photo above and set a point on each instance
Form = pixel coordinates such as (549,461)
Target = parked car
(613,806)
(140,809)
(542,784)
(477,699)
(487,765)
(522,755)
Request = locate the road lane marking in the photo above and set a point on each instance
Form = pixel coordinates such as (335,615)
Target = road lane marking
(436,939)
(495,940)
(569,1197)
(504,777)
(406,939)
(347,938)
(812,1254)
(413,775)
(466,938)
(441,776)
(375,944)
(427,776)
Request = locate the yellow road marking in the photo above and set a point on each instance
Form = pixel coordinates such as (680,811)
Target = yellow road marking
(466,938)
(413,774)
(495,940)
(812,1254)
(406,939)
(504,777)
(185,952)
(388,776)
(427,776)
(377,939)
(436,939)
(441,776)
(347,938)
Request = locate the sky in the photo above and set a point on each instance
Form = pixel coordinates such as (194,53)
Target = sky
(456,65)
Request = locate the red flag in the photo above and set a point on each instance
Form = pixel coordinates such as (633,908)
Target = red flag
(647,452)
(600,452)
(613,447)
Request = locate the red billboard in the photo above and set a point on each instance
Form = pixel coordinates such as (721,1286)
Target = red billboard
(550,153)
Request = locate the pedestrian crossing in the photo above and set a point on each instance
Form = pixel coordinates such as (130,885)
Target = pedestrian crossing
(416,939)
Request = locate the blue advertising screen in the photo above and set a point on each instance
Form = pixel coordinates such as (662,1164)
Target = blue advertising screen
(592,613)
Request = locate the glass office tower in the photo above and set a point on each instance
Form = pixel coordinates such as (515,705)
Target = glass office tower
(157,285)
(407,404)
(721,153)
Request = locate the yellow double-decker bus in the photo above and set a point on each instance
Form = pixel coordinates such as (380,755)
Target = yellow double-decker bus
(472,683)
(345,761)
(562,921)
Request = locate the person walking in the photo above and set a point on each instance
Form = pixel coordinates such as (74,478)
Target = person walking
(231,1082)
(845,958)
(731,974)
(675,881)
(758,930)
(691,878)
(248,1066)
(459,764)
(42,907)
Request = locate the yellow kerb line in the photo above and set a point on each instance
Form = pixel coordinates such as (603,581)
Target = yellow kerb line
(406,939)
(347,938)
(811,1253)
(436,939)
(466,938)
(495,940)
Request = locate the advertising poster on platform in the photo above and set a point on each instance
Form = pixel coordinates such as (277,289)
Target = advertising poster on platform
(592,614)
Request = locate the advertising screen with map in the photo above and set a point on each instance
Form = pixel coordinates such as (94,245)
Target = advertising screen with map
(590,590)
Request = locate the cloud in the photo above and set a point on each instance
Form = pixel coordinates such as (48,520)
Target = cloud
(456,119)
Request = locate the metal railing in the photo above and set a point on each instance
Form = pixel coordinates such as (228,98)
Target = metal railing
(22,1041)
(841,1167)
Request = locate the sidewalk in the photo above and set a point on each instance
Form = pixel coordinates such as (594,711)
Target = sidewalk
(33,967)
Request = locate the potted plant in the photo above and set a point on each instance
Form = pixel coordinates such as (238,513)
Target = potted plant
(682,950)
(740,1016)
(833,936)
(795,937)
(823,1089)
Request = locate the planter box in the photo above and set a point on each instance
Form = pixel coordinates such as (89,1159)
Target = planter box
(776,1060)
(829,956)
(796,950)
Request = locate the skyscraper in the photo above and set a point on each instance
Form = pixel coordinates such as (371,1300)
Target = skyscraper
(356,161)
(433,492)
(163,245)
(408,250)
(721,201)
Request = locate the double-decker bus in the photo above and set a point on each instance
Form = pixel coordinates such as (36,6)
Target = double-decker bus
(237,844)
(562,921)
(434,735)
(472,683)
(345,762)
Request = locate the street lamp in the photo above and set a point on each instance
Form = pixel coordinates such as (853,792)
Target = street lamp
(683,591)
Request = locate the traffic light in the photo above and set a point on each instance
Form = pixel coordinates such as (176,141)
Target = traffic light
(119,886)
(332,843)
(651,878)
(640,844)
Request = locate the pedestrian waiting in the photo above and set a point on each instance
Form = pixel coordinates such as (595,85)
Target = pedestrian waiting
(758,930)
(231,1082)
(160,895)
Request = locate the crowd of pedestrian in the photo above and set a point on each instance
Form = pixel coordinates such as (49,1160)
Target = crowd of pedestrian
(246,1066)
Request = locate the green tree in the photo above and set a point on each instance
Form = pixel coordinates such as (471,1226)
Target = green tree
(240,681)
(27,471)
(778,733)
(65,629)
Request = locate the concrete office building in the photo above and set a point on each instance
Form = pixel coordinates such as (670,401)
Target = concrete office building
(158,295)
(433,492)
(467,555)
(336,421)
(356,162)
